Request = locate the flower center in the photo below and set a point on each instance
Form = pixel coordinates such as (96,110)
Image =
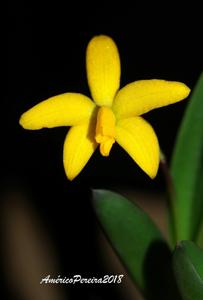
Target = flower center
(105,129)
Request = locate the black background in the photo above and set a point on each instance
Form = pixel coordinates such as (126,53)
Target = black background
(46,56)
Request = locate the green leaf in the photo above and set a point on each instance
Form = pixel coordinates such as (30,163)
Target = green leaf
(199,240)
(136,240)
(187,169)
(188,269)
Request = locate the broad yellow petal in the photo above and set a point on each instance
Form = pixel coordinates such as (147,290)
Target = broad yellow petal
(79,145)
(142,96)
(138,138)
(62,110)
(103,69)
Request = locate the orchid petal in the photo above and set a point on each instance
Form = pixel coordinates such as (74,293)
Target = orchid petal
(138,139)
(79,146)
(141,96)
(63,110)
(103,69)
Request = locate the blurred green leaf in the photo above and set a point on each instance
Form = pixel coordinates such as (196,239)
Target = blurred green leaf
(187,168)
(199,235)
(188,269)
(199,240)
(136,240)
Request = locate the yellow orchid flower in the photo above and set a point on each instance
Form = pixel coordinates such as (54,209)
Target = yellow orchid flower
(113,116)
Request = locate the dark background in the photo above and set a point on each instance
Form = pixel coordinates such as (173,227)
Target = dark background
(46,57)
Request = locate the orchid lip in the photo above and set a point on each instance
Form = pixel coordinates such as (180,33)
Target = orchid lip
(105,130)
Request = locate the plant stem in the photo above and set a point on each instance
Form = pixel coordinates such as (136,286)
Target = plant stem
(170,197)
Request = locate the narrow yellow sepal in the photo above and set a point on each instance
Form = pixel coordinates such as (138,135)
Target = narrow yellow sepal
(63,110)
(142,96)
(79,146)
(138,139)
(103,69)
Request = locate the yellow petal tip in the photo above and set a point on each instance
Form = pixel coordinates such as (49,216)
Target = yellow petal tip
(151,168)
(24,122)
(70,177)
(70,174)
(185,90)
(152,175)
(28,121)
(21,121)
(100,38)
